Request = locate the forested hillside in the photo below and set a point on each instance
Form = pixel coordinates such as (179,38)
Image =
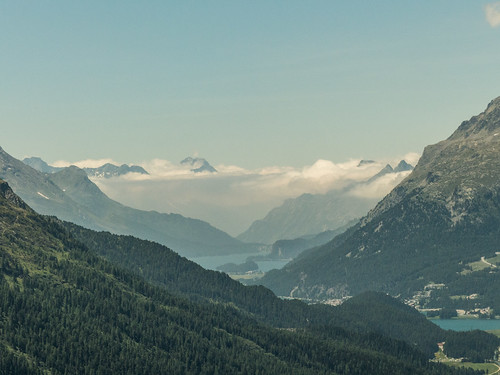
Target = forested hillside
(65,310)
(367,313)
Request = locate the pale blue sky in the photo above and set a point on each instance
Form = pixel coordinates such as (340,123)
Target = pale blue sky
(250,83)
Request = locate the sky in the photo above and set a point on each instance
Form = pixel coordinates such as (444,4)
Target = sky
(258,88)
(249,83)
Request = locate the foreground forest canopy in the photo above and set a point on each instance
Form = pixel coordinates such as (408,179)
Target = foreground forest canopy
(67,310)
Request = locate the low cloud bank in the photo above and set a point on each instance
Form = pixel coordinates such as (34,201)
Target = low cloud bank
(88,163)
(234,197)
(380,187)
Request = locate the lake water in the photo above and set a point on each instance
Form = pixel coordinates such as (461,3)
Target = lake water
(268,265)
(213,262)
(468,324)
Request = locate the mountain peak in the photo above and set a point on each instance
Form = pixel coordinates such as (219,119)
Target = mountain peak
(107,170)
(403,166)
(74,170)
(482,125)
(387,169)
(40,165)
(199,165)
(74,180)
(495,103)
(110,170)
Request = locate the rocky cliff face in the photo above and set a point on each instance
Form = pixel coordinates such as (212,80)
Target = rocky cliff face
(7,193)
(457,169)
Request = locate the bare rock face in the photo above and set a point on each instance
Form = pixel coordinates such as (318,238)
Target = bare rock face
(7,193)
(457,168)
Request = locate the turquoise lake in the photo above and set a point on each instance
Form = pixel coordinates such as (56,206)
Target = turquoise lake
(212,262)
(468,324)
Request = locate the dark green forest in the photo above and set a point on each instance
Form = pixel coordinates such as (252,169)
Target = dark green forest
(66,310)
(368,312)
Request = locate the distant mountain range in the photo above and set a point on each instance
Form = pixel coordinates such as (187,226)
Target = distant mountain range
(433,240)
(110,170)
(310,214)
(198,165)
(403,166)
(40,165)
(105,171)
(71,196)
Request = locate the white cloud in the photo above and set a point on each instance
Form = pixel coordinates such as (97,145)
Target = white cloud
(88,163)
(492,12)
(380,187)
(234,197)
(411,158)
(231,170)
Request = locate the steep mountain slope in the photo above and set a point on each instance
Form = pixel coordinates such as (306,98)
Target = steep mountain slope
(41,193)
(443,216)
(288,249)
(403,166)
(190,237)
(305,215)
(70,195)
(315,213)
(65,310)
(40,165)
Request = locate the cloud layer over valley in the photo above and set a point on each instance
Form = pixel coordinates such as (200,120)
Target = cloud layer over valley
(233,197)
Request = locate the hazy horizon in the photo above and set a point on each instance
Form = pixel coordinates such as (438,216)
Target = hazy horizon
(234,197)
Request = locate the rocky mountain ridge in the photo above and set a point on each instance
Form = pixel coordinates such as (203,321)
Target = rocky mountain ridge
(107,170)
(198,165)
